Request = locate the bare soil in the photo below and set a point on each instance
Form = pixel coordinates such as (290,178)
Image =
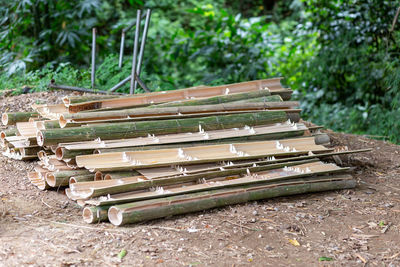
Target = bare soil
(350,227)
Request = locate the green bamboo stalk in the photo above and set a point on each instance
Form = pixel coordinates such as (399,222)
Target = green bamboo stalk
(30,151)
(143,128)
(147,113)
(81,178)
(118,175)
(221,99)
(7,133)
(63,153)
(152,209)
(11,118)
(95,214)
(68,100)
(255,137)
(166,181)
(61,178)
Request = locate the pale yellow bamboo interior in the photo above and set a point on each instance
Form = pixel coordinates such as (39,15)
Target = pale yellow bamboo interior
(185,137)
(191,93)
(198,153)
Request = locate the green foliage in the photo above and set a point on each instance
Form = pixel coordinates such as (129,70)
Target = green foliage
(339,55)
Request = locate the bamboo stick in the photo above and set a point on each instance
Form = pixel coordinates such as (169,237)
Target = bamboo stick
(81,178)
(137,129)
(95,214)
(163,172)
(61,178)
(62,153)
(256,179)
(173,95)
(119,175)
(152,209)
(68,100)
(222,99)
(262,132)
(174,111)
(11,118)
(8,133)
(199,154)
(89,190)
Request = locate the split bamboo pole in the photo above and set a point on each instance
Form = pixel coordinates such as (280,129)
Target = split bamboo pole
(81,178)
(222,99)
(143,128)
(264,131)
(199,154)
(68,100)
(163,172)
(61,178)
(172,111)
(153,209)
(95,214)
(257,179)
(89,190)
(174,95)
(11,118)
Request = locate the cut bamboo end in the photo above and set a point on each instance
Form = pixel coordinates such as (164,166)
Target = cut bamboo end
(98,176)
(66,101)
(4,118)
(115,216)
(107,177)
(59,153)
(40,138)
(62,121)
(72,180)
(95,214)
(51,179)
(89,216)
(40,125)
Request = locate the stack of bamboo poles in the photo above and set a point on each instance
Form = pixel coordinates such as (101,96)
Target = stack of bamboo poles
(128,159)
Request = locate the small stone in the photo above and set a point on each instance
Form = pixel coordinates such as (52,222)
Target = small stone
(269,248)
(255,213)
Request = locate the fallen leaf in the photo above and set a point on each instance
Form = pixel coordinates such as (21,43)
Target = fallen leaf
(325,259)
(294,242)
(122,254)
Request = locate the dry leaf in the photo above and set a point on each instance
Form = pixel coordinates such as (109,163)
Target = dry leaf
(294,242)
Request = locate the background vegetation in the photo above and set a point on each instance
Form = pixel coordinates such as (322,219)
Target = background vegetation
(341,57)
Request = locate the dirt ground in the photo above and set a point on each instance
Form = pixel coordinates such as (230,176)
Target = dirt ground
(359,227)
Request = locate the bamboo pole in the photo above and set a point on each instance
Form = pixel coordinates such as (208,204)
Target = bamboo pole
(248,138)
(65,119)
(170,171)
(119,175)
(89,190)
(264,131)
(222,99)
(11,118)
(95,214)
(273,85)
(143,128)
(62,153)
(8,133)
(61,178)
(68,100)
(119,161)
(153,209)
(81,178)
(217,183)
